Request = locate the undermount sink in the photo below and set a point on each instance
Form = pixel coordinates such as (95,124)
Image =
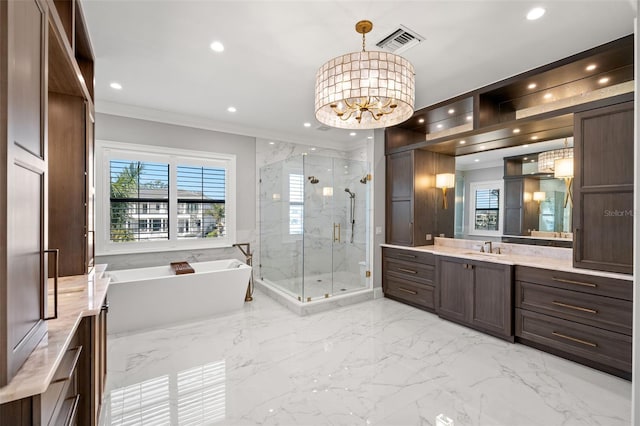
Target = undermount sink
(483,253)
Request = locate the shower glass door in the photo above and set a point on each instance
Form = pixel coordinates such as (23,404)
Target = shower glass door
(335,226)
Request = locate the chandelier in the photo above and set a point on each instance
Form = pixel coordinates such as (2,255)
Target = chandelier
(365,90)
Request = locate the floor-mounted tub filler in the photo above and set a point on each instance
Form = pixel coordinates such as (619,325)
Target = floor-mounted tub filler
(147,298)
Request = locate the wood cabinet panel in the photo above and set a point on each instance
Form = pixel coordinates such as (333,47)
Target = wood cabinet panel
(590,343)
(400,229)
(454,289)
(410,271)
(421,257)
(492,298)
(407,276)
(592,284)
(400,168)
(67,182)
(23,173)
(603,312)
(412,293)
(603,189)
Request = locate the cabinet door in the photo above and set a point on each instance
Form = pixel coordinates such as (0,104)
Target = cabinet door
(491,308)
(603,189)
(24,171)
(513,205)
(90,188)
(453,289)
(400,198)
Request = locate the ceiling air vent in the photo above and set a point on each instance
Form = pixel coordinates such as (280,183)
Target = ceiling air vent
(323,128)
(400,40)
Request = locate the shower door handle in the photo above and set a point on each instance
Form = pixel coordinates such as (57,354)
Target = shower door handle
(336,238)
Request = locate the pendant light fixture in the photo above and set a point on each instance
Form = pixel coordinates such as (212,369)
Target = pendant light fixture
(365,90)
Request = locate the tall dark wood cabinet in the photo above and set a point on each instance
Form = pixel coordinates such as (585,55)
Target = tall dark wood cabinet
(520,215)
(414,209)
(23,181)
(603,189)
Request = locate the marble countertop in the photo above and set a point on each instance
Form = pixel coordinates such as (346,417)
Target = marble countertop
(78,296)
(552,258)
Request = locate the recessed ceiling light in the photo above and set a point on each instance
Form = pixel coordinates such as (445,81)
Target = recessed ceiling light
(272,143)
(533,161)
(369,137)
(421,121)
(476,160)
(483,147)
(516,130)
(469,117)
(535,13)
(451,111)
(463,142)
(525,158)
(352,134)
(232,109)
(591,67)
(532,86)
(525,146)
(439,126)
(216,46)
(603,80)
(307,124)
(534,138)
(116,86)
(313,149)
(548,96)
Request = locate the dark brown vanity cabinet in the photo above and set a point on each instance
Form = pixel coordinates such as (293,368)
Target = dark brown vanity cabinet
(23,181)
(414,214)
(476,294)
(603,189)
(584,318)
(407,276)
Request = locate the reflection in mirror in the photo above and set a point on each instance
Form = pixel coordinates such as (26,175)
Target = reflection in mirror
(531,203)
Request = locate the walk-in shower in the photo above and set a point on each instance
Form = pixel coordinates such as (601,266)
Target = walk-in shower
(314,226)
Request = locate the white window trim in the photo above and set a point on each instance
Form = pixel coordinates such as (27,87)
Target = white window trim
(473,187)
(105,150)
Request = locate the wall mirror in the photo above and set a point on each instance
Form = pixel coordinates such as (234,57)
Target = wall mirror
(519,194)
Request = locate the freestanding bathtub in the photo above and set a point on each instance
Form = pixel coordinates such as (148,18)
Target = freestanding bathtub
(148,298)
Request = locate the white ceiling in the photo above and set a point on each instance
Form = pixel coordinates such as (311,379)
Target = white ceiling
(159,52)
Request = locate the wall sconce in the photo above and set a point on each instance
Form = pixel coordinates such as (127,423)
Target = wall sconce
(563,169)
(327,191)
(539,197)
(445,181)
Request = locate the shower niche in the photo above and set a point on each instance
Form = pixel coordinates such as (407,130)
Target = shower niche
(314,214)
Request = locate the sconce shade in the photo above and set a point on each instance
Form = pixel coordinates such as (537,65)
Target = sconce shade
(563,168)
(445,180)
(539,196)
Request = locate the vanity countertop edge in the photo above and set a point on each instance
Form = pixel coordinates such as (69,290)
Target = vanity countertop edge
(79,296)
(550,263)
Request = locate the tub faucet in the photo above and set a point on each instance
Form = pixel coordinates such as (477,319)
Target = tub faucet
(249,261)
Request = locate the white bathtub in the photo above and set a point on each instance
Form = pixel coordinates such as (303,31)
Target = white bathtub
(148,298)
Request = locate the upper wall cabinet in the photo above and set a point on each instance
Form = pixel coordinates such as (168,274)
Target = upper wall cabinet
(537,105)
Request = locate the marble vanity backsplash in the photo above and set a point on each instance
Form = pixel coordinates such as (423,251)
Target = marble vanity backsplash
(507,248)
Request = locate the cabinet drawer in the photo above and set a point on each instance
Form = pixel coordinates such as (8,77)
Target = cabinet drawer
(599,311)
(412,293)
(410,255)
(62,385)
(619,289)
(409,270)
(602,346)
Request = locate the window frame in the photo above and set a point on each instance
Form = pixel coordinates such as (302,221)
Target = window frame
(473,187)
(108,150)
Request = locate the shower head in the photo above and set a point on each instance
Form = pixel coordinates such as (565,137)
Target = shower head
(364,179)
(313,179)
(351,194)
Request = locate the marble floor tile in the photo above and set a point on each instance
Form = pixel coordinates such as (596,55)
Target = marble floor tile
(374,363)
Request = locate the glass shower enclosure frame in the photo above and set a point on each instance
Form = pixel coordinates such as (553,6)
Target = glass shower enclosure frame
(314,226)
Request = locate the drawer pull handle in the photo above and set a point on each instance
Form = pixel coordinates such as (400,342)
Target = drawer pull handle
(577,308)
(562,280)
(409,271)
(408,291)
(573,339)
(411,256)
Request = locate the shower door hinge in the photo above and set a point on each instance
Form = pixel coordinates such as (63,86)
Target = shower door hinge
(367,274)
(369,176)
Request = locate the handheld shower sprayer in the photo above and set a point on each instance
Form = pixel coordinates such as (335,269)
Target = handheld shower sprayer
(351,194)
(352,204)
